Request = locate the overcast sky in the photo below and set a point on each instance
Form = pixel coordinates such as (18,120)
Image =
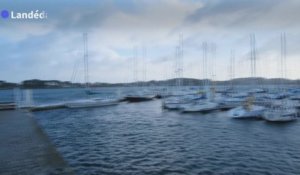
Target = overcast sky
(49,49)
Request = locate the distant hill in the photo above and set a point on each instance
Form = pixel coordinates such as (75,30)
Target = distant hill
(35,83)
(6,85)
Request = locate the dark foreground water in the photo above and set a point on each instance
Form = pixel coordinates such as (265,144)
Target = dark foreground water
(144,139)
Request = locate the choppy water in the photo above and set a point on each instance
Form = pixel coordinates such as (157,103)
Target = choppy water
(141,138)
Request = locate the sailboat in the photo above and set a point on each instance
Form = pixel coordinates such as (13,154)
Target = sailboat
(207,104)
(91,102)
(178,97)
(231,99)
(139,94)
(285,111)
(280,114)
(248,110)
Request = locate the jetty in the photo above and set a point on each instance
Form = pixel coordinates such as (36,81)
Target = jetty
(25,148)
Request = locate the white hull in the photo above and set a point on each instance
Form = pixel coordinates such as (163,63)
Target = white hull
(280,115)
(173,106)
(229,103)
(176,103)
(91,103)
(200,107)
(296,97)
(255,112)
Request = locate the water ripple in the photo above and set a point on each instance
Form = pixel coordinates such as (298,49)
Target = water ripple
(143,139)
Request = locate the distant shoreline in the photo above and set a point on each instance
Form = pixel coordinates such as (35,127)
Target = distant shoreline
(56,84)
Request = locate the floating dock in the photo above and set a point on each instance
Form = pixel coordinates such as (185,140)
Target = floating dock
(25,148)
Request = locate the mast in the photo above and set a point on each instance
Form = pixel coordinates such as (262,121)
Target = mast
(181,58)
(253,55)
(232,67)
(86,60)
(135,66)
(283,55)
(179,61)
(213,61)
(204,65)
(283,59)
(212,89)
(144,65)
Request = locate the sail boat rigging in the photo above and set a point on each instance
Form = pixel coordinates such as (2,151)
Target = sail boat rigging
(88,89)
(284,111)
(95,102)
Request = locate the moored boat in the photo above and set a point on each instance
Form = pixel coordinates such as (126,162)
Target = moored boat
(242,112)
(280,115)
(91,103)
(202,106)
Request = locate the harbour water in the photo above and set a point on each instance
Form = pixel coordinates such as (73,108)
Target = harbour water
(142,138)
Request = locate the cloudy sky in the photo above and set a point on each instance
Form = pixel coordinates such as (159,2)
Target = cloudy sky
(51,48)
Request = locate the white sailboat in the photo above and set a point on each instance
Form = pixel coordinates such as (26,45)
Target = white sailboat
(285,112)
(179,98)
(138,93)
(280,114)
(233,99)
(208,104)
(86,103)
(249,110)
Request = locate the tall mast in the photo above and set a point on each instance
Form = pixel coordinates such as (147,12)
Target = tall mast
(232,67)
(253,55)
(283,55)
(85,59)
(181,57)
(213,60)
(176,66)
(283,59)
(204,65)
(135,66)
(144,64)
(179,61)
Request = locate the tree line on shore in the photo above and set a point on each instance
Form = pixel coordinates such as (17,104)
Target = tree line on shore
(36,83)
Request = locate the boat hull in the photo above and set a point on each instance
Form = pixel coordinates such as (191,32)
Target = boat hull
(134,99)
(205,107)
(280,116)
(256,112)
(90,104)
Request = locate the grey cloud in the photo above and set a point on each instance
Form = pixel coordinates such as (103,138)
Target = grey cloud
(257,14)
